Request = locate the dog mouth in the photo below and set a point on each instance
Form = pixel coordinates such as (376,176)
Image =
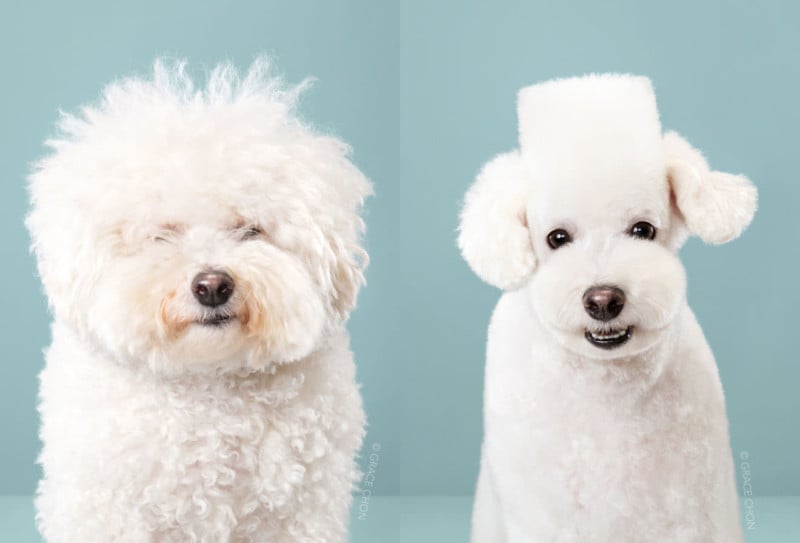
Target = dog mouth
(216,321)
(609,339)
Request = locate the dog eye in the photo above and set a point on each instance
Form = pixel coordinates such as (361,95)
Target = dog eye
(167,233)
(250,232)
(558,237)
(164,237)
(643,230)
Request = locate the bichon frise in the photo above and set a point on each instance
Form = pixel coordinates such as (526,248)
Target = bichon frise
(604,413)
(200,249)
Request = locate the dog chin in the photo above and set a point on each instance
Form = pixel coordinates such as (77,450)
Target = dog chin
(205,344)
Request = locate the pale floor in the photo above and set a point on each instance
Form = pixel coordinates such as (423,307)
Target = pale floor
(430,519)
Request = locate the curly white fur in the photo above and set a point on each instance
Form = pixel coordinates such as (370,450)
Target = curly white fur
(586,444)
(158,426)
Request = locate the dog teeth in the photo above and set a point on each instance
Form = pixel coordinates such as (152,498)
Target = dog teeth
(609,335)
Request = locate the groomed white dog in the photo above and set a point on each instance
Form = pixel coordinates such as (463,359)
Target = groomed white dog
(604,414)
(200,249)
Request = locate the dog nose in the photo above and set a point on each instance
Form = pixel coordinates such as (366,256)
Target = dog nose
(212,288)
(603,303)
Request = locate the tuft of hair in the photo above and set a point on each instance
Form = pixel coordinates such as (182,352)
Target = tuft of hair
(172,86)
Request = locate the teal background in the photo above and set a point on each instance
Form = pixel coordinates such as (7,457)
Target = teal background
(424,91)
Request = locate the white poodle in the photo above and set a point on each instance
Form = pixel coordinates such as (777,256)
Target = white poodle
(604,413)
(200,249)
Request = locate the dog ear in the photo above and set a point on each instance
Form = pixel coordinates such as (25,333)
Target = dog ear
(493,235)
(346,274)
(715,206)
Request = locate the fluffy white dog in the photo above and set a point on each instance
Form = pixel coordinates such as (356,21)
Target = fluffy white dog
(200,249)
(604,414)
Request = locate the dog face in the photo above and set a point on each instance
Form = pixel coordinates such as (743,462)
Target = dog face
(589,214)
(607,281)
(196,230)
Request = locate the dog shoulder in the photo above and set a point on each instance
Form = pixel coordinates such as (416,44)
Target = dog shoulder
(512,333)
(513,320)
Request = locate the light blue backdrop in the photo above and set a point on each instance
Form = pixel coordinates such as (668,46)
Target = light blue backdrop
(425,93)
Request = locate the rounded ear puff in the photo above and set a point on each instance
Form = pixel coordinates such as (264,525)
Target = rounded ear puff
(493,235)
(715,206)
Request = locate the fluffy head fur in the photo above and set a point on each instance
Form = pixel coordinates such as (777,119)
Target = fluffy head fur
(593,161)
(162,180)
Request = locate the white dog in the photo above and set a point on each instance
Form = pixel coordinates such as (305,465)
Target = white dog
(604,413)
(200,249)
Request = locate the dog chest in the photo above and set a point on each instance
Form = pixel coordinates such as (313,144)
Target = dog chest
(246,453)
(567,447)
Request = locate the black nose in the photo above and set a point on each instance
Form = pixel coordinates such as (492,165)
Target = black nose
(212,288)
(604,302)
